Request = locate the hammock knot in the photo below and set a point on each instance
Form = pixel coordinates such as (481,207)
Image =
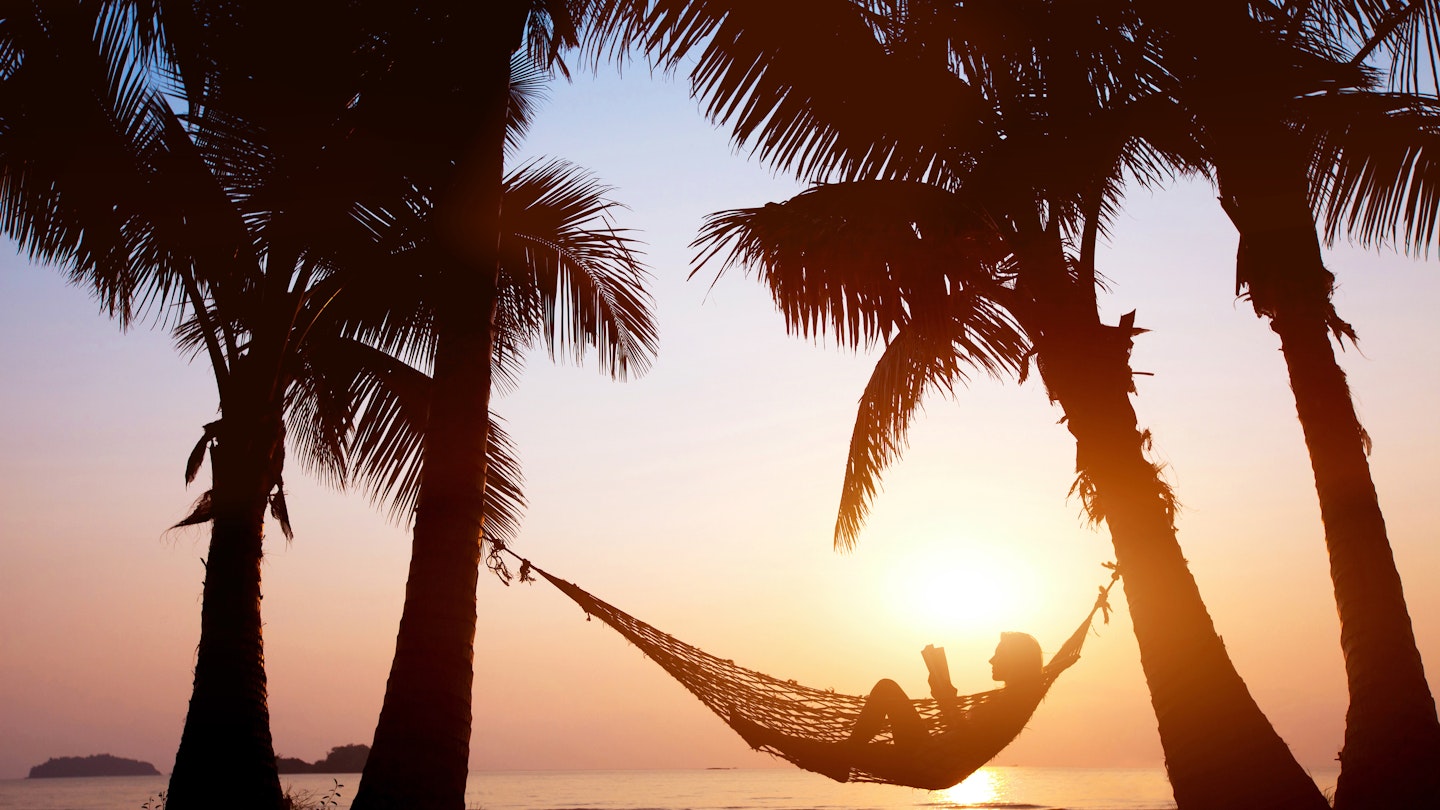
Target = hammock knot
(1102,604)
(496,563)
(1102,601)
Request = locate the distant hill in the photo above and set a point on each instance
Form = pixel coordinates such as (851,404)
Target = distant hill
(97,765)
(341,759)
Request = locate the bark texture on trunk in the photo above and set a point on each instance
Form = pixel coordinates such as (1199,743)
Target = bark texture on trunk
(226,757)
(1391,754)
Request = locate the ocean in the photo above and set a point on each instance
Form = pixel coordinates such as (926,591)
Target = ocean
(731,789)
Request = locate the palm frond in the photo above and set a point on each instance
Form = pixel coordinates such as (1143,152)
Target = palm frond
(197,454)
(851,258)
(280,511)
(200,512)
(925,356)
(527,91)
(1402,38)
(81,125)
(384,452)
(811,87)
(569,273)
(1376,168)
(320,410)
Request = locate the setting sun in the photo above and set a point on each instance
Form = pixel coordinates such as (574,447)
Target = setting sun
(961,588)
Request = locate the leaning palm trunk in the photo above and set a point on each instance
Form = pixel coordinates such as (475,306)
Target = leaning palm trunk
(1221,752)
(1391,754)
(226,757)
(1244,97)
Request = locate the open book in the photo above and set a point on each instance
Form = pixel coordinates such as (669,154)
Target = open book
(940,686)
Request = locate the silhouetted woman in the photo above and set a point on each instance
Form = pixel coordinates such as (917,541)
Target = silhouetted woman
(974,728)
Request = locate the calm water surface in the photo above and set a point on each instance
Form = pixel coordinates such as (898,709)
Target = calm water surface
(779,789)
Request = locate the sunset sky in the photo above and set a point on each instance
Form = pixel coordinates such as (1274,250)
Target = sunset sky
(701,497)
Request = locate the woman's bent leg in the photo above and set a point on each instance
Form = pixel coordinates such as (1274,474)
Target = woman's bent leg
(887,701)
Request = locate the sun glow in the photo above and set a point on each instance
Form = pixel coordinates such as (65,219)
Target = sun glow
(983,788)
(965,590)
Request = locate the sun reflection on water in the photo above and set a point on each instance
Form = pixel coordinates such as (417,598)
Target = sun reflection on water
(984,788)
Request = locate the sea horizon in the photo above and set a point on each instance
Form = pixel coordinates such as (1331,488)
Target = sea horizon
(712,788)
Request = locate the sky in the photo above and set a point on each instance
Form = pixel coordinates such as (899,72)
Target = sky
(701,497)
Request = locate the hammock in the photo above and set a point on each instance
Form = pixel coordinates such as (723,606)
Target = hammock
(795,718)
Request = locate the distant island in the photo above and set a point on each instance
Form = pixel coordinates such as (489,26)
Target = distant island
(341,759)
(97,765)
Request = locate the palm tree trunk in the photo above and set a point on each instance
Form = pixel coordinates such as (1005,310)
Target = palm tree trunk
(226,757)
(1221,753)
(1391,754)
(420,756)
(421,751)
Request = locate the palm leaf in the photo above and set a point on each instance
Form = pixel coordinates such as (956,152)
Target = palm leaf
(81,123)
(852,257)
(568,276)
(1376,167)
(907,264)
(1401,37)
(197,454)
(384,451)
(812,88)
(922,357)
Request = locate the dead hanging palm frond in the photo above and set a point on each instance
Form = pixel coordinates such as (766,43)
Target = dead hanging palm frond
(1375,169)
(200,512)
(280,511)
(197,454)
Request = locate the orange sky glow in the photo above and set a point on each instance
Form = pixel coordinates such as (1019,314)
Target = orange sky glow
(701,497)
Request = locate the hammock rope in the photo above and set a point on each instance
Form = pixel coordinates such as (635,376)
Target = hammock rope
(744,697)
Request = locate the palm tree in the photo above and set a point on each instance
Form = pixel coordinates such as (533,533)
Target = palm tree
(213,212)
(1043,185)
(133,207)
(1289,115)
(459,59)
(278,275)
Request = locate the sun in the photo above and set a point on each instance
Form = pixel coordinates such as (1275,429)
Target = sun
(974,591)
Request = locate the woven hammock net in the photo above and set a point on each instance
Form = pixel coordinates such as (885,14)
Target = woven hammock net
(804,713)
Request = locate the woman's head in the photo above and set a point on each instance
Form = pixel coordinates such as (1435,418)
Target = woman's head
(1017,659)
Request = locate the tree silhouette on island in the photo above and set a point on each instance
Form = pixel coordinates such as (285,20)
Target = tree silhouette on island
(93,765)
(341,759)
